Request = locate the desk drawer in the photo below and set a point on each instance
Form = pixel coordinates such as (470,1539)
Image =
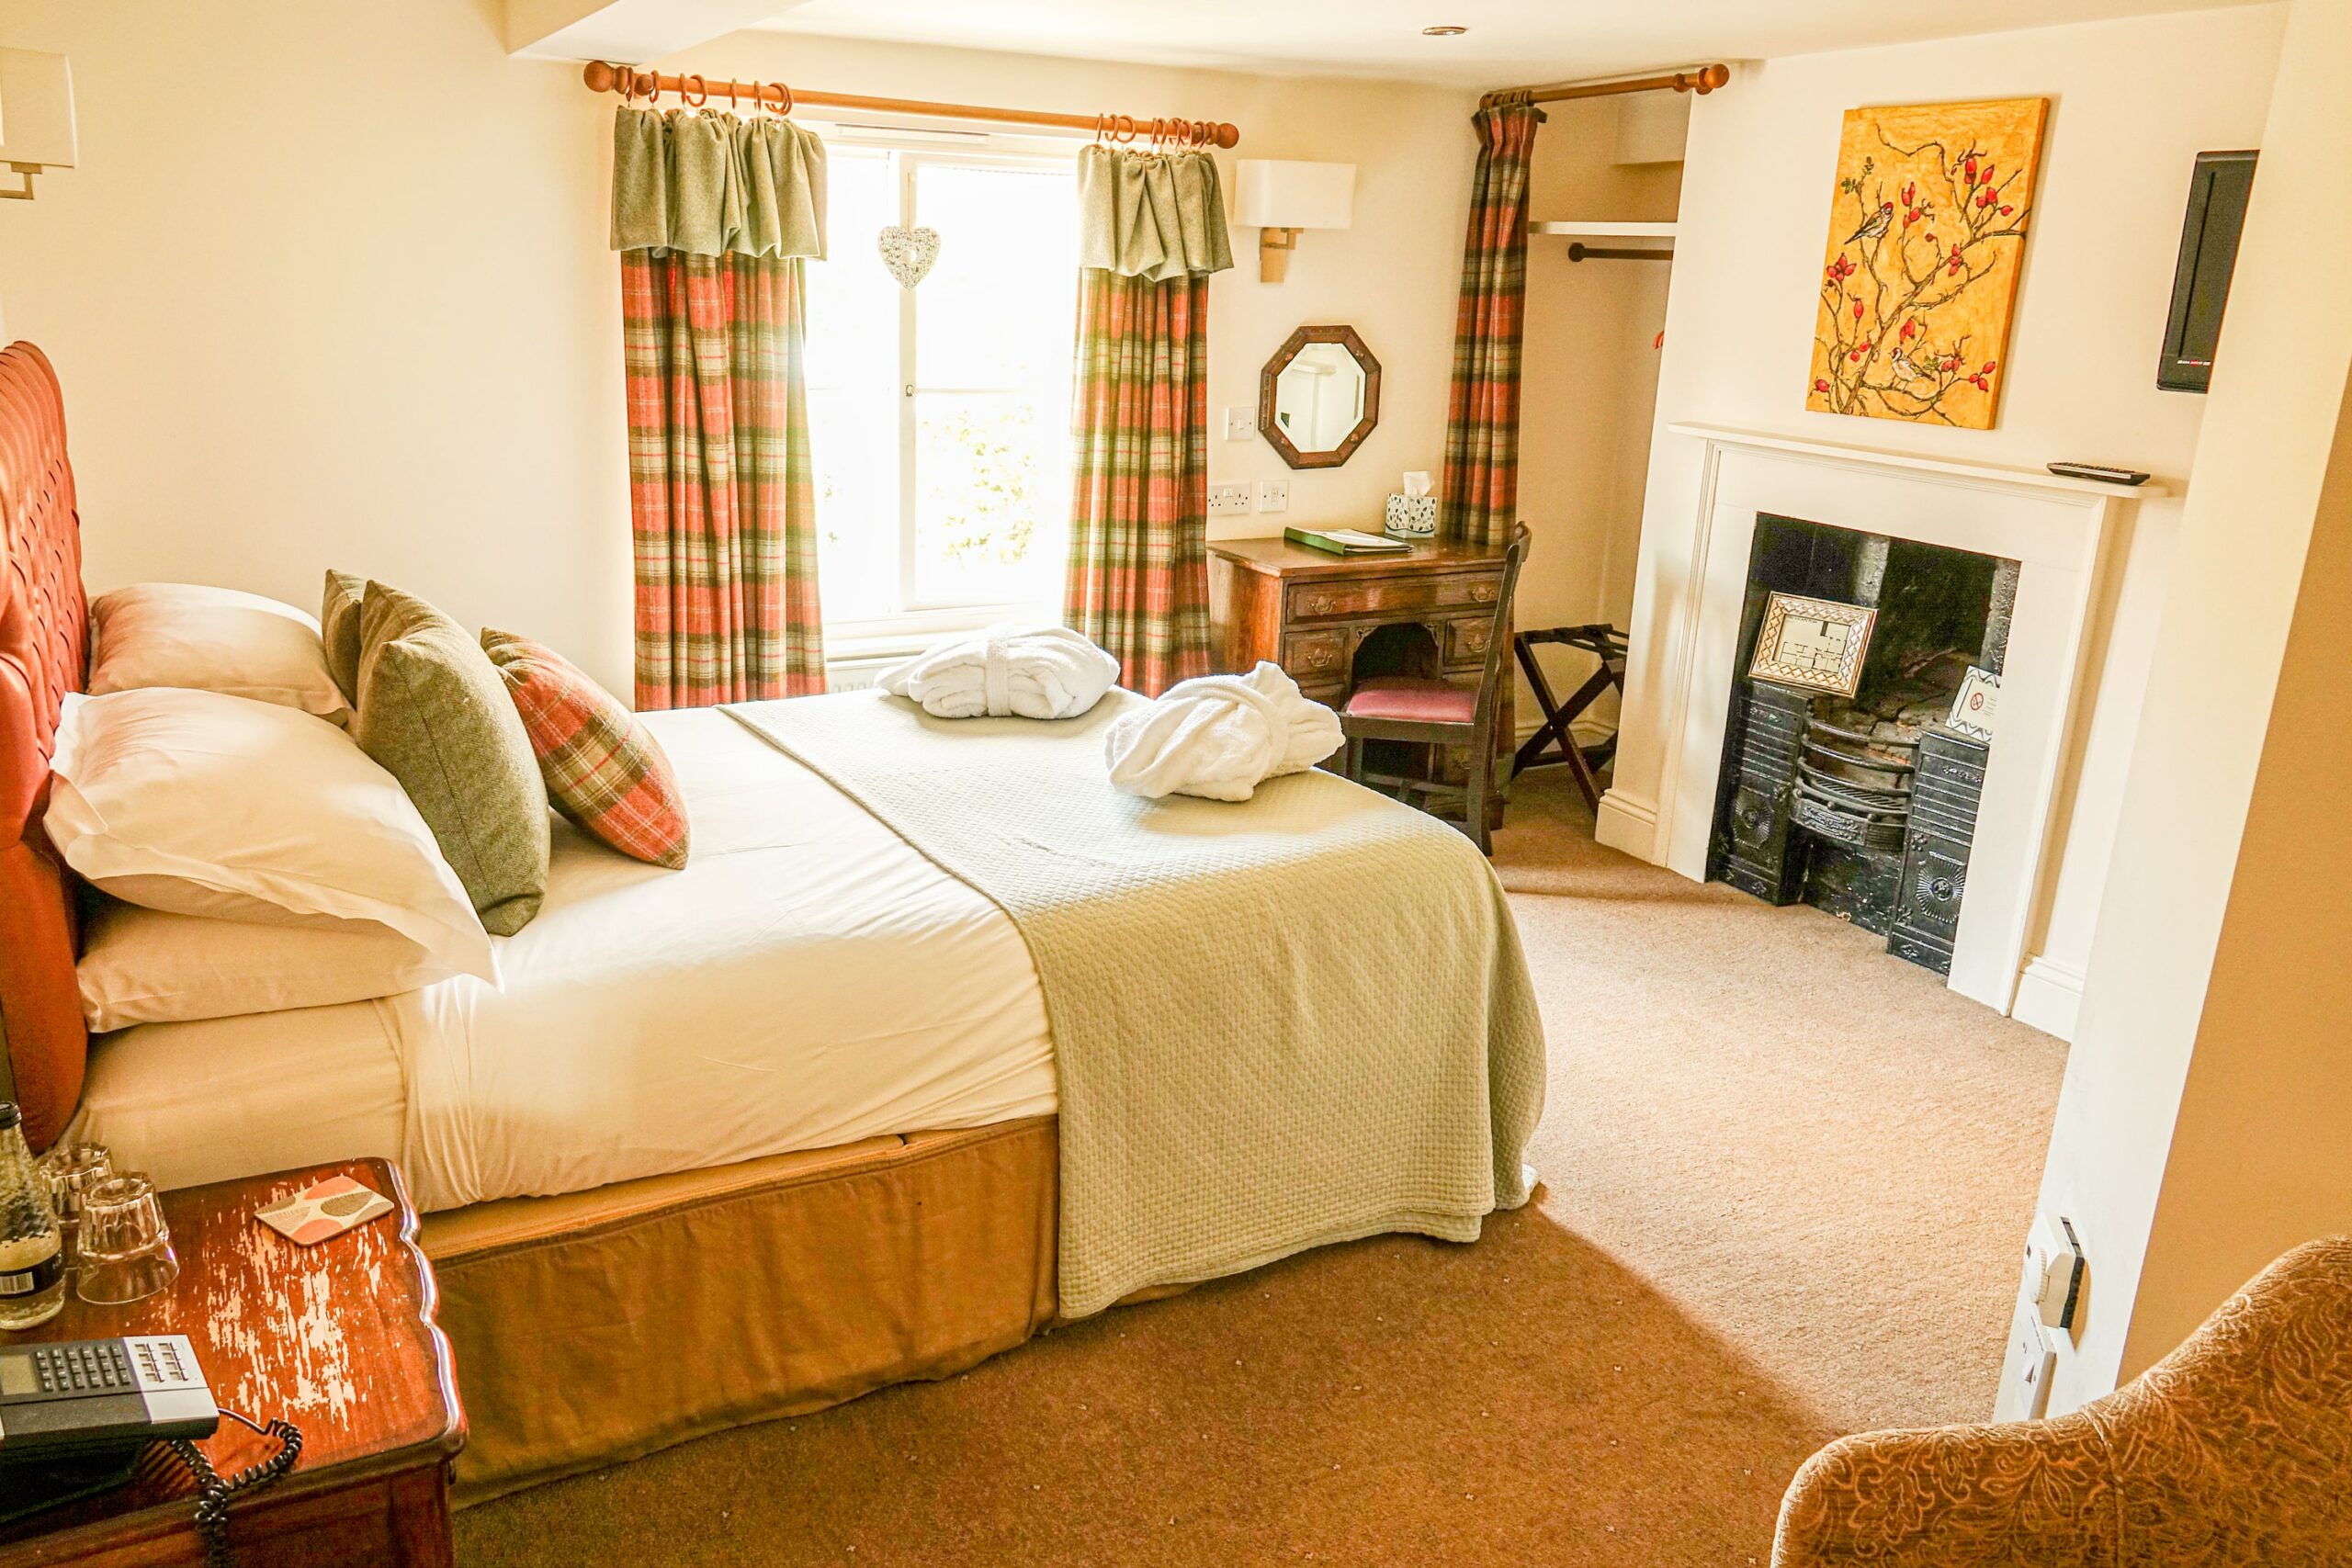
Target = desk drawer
(1372,596)
(1316,655)
(1466,639)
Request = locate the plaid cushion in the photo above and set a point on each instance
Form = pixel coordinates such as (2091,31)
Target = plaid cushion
(604,770)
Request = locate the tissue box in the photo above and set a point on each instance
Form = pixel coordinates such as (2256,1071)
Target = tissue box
(1412,517)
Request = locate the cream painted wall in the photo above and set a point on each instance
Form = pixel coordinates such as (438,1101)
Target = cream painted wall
(2132,102)
(1588,386)
(330,288)
(2258,1163)
(2252,1159)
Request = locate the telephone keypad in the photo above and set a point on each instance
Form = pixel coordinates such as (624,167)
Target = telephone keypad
(87,1367)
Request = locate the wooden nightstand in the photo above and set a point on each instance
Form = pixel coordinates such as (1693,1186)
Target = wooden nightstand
(338,1339)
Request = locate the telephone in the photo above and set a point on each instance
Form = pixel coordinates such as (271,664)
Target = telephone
(77,1416)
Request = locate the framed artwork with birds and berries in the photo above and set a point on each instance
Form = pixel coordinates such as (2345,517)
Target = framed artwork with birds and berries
(1927,236)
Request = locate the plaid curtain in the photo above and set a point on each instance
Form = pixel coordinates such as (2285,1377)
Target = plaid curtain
(1138,546)
(720,504)
(1479,497)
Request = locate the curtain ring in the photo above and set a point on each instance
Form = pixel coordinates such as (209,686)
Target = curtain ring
(731,99)
(650,83)
(783,90)
(701,88)
(1126,127)
(1102,122)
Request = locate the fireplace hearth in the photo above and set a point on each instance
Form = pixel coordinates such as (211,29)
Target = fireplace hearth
(1864,806)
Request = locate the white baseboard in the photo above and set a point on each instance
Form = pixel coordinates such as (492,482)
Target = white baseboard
(2050,995)
(1626,824)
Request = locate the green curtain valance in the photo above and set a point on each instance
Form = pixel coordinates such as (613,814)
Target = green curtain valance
(711,185)
(1150,215)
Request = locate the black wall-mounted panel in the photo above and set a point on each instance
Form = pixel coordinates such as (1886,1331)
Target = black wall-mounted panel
(2201,282)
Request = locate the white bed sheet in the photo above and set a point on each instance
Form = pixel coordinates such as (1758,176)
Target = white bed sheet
(807,980)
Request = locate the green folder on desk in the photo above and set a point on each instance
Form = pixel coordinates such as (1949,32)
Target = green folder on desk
(1346,542)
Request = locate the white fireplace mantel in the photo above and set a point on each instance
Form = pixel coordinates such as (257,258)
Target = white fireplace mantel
(2059,530)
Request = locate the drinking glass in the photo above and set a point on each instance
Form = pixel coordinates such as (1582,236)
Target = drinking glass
(72,1170)
(125,1248)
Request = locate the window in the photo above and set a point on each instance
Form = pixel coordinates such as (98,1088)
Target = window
(939,416)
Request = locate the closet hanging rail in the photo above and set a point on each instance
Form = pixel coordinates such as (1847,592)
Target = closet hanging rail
(1705,79)
(694,90)
(1580,252)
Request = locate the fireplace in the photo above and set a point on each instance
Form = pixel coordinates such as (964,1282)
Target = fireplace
(1711,489)
(1863,806)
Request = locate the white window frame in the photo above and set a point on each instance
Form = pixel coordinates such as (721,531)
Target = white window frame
(915,624)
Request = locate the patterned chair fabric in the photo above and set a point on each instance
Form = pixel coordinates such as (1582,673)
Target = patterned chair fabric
(2237,1449)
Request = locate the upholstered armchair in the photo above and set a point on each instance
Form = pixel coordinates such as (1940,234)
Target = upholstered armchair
(2237,1449)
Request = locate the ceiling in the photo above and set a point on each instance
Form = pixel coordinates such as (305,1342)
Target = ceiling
(1509,41)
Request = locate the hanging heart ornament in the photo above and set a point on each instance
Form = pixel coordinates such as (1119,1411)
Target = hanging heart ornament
(909,253)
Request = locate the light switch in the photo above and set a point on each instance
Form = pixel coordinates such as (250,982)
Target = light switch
(2026,1373)
(1240,424)
(2055,1273)
(1274,495)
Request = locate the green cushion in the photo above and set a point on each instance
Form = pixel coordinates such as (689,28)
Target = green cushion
(339,629)
(434,712)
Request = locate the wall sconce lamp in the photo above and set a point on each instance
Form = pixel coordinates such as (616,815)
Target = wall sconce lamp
(36,115)
(1279,197)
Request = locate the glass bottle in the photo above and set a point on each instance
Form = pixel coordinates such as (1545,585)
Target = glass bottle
(32,1251)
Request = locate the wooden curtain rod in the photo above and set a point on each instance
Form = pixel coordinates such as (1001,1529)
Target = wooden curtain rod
(693,90)
(1706,79)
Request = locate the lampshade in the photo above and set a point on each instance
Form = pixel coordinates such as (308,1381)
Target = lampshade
(36,109)
(1281,194)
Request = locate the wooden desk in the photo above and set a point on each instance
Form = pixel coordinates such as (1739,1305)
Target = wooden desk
(1322,618)
(338,1339)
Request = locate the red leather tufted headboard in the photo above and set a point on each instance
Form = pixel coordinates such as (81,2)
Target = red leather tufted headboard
(44,653)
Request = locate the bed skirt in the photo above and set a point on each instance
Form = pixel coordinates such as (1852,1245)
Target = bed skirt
(596,1327)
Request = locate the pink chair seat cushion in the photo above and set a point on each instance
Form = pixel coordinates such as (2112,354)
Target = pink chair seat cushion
(1414,700)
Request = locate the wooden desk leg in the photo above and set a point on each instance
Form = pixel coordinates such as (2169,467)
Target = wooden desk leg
(420,1522)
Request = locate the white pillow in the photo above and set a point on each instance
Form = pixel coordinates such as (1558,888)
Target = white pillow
(197,803)
(144,966)
(210,639)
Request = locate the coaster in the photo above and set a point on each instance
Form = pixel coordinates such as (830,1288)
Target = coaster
(317,1214)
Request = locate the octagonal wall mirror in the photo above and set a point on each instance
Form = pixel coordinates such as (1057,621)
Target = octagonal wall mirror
(1319,397)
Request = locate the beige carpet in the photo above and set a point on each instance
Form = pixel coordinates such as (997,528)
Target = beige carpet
(1785,1181)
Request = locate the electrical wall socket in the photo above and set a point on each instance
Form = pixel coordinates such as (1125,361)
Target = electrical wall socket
(1229,500)
(2025,1375)
(1240,424)
(1274,495)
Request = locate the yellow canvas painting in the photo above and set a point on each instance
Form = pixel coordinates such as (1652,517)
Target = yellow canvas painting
(1927,234)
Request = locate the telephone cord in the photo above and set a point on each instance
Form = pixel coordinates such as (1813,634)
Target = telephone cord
(213,1492)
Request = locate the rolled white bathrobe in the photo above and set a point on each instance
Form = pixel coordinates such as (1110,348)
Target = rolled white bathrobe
(1033,672)
(1219,736)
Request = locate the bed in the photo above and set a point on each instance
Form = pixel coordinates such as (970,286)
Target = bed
(935,1042)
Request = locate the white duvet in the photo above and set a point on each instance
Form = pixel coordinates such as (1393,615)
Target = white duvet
(806,981)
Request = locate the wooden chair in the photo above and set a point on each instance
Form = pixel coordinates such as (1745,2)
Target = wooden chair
(1441,713)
